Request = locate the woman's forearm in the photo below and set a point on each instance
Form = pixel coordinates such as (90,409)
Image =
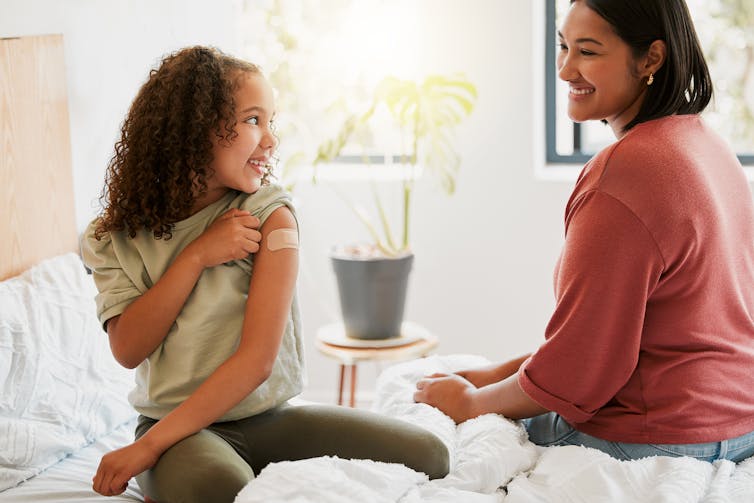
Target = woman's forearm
(148,319)
(505,397)
(510,367)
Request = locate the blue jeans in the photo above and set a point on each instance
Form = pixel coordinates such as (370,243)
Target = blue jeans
(551,429)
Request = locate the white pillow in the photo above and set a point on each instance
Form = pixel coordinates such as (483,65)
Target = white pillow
(60,386)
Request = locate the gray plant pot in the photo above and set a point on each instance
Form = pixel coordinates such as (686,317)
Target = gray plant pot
(372,294)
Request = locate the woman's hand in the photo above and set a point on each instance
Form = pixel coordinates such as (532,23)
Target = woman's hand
(117,467)
(232,236)
(452,394)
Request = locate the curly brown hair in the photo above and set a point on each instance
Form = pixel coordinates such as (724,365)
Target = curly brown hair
(161,162)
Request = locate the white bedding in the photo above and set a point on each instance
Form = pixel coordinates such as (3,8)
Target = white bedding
(492,461)
(71,478)
(60,387)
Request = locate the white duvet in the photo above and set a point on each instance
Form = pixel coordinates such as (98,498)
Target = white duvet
(60,387)
(492,461)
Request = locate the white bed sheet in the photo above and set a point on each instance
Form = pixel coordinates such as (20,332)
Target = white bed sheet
(70,480)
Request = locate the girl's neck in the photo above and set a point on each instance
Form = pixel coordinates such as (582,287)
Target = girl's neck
(208,198)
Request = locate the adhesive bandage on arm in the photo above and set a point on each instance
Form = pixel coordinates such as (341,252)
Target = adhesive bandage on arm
(282,238)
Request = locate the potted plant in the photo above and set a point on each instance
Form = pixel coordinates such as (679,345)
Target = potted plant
(373,279)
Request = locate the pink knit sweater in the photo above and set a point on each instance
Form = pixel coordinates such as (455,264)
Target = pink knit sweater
(652,338)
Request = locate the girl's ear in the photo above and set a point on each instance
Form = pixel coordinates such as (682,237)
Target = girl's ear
(655,58)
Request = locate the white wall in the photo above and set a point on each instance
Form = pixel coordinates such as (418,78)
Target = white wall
(110,46)
(484,257)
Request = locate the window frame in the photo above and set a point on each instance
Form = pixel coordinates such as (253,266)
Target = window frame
(552,156)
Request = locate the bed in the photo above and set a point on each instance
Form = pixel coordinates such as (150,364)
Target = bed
(63,397)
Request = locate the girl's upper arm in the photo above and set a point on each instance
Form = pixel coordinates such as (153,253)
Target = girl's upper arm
(273,281)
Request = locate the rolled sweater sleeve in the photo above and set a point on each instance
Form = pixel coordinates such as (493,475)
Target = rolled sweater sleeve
(608,268)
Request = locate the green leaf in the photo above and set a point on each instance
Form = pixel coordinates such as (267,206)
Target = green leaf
(427,112)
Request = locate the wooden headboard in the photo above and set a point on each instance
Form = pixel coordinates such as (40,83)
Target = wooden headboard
(37,216)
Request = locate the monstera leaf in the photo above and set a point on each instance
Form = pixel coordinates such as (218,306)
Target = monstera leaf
(427,112)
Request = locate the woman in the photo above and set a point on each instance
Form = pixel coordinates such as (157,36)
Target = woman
(651,345)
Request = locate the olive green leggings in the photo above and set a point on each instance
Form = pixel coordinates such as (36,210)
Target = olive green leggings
(214,464)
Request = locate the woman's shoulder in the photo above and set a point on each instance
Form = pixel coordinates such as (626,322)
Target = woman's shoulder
(662,137)
(643,157)
(659,143)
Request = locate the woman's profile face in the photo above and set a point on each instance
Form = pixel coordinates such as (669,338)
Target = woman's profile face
(602,73)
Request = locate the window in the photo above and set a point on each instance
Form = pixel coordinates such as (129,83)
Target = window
(724,29)
(325,58)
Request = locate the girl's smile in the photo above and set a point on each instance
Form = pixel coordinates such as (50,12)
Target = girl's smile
(260,166)
(242,162)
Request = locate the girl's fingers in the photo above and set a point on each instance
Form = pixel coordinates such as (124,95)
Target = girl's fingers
(104,486)
(97,480)
(253,235)
(117,486)
(235,212)
(228,214)
(249,221)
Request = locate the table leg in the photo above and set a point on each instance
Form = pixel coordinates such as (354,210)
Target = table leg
(353,385)
(340,383)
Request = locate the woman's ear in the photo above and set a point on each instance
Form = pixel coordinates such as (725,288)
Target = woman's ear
(655,58)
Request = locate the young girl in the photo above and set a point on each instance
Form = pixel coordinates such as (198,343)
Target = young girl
(651,345)
(202,303)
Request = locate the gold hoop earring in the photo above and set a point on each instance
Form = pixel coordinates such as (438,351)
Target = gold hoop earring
(651,79)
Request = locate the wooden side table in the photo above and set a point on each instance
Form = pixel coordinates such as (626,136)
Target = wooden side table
(415,342)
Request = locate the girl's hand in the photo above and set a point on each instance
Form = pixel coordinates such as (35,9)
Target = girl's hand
(452,394)
(232,236)
(117,467)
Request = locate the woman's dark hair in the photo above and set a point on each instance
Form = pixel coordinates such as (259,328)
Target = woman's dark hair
(161,162)
(683,84)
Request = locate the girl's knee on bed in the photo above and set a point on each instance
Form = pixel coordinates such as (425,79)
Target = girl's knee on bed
(203,467)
